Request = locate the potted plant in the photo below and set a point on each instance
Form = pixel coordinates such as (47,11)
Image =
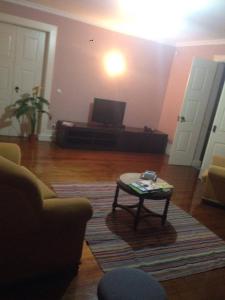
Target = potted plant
(31,107)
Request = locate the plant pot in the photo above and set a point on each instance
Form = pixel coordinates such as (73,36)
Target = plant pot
(33,138)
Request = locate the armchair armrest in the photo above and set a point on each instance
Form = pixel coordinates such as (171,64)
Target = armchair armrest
(61,213)
(11,151)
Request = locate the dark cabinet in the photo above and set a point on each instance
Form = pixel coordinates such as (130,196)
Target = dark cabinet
(86,136)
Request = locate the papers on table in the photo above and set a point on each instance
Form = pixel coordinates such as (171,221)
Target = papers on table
(145,186)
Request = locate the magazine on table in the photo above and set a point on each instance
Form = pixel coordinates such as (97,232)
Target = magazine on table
(145,186)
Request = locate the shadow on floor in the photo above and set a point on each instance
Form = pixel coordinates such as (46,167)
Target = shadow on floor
(150,232)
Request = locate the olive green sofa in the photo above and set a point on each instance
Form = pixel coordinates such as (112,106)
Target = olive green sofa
(214,182)
(39,232)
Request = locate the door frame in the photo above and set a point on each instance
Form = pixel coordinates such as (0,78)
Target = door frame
(51,34)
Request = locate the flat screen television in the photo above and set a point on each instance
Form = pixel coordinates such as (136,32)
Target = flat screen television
(108,112)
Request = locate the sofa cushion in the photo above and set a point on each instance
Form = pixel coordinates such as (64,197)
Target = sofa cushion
(46,192)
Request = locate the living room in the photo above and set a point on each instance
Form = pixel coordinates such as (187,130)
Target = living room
(152,85)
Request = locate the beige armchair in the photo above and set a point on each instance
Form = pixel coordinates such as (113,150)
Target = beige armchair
(214,182)
(39,232)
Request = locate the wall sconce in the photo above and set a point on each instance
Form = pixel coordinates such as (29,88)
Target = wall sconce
(114,63)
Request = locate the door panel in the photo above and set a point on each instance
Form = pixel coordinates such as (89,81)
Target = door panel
(29,59)
(216,144)
(21,64)
(30,48)
(26,79)
(193,111)
(183,141)
(7,54)
(198,79)
(222,123)
(7,41)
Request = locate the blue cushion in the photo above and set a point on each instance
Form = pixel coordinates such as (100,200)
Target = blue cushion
(129,284)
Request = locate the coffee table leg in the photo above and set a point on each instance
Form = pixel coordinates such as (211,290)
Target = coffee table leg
(137,216)
(164,216)
(114,205)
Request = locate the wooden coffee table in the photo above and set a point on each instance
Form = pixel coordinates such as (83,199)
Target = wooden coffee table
(141,211)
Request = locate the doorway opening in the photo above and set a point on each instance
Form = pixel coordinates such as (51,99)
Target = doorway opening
(213,114)
(207,124)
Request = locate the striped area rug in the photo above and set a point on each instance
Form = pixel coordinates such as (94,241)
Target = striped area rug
(182,247)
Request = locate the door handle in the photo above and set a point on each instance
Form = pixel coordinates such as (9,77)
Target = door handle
(214,128)
(181,119)
(16,89)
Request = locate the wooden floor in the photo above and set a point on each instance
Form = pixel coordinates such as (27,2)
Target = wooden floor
(53,164)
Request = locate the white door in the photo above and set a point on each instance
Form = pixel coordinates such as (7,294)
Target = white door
(7,57)
(27,65)
(216,143)
(196,98)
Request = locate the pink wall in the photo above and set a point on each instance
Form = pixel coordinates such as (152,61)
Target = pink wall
(177,83)
(79,72)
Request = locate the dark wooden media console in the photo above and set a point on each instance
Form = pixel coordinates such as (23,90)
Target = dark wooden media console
(87,136)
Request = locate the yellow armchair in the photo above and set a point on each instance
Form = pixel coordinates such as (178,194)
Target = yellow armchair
(214,182)
(39,232)
(11,151)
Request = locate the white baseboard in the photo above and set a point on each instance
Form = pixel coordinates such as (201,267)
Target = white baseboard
(196,163)
(46,136)
(168,148)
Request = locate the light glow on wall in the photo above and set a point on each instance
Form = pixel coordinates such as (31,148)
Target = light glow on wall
(114,63)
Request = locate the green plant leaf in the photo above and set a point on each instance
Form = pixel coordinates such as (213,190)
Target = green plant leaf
(23,110)
(43,100)
(30,106)
(39,106)
(21,101)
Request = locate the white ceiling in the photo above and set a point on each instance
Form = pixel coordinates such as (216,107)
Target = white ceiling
(206,24)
